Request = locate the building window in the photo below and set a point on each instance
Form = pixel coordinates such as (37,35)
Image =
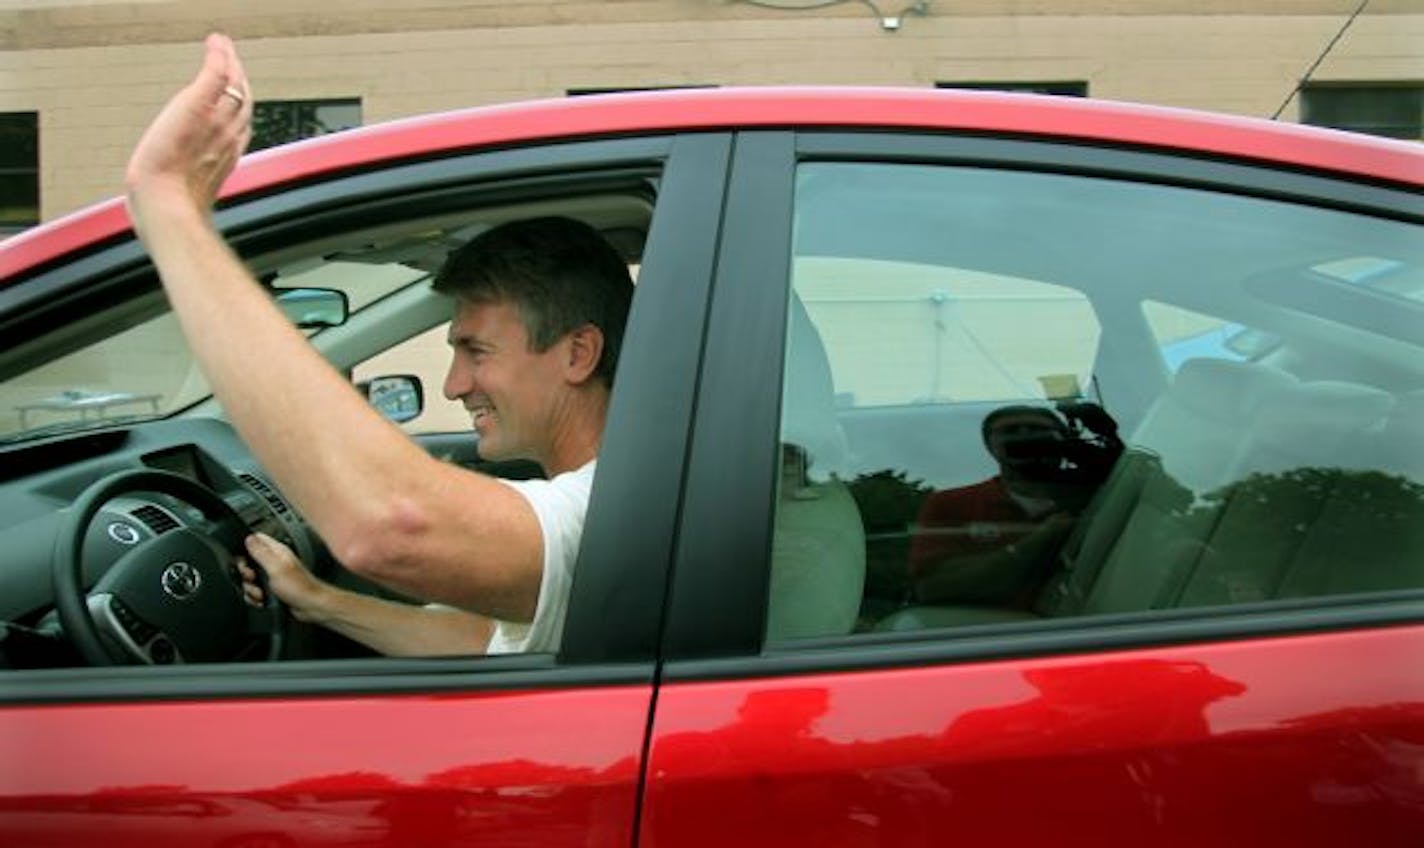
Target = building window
(1064,88)
(1391,110)
(277,122)
(19,170)
(579,92)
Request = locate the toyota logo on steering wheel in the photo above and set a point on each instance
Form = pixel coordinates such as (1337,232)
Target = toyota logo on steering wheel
(181,580)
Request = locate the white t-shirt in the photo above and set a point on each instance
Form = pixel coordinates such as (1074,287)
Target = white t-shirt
(560,505)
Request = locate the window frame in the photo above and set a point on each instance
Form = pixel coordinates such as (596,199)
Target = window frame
(641,453)
(719,595)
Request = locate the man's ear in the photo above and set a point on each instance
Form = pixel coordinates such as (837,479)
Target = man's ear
(585,351)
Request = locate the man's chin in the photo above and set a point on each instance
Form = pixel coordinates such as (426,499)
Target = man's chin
(489,449)
(492,449)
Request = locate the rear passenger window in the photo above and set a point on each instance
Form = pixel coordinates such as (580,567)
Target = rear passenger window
(1013,396)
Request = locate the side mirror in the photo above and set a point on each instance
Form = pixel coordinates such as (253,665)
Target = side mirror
(311,308)
(399,397)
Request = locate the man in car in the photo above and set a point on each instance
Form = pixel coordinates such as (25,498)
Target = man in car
(539,311)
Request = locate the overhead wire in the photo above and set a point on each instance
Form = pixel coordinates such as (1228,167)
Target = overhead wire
(1319,59)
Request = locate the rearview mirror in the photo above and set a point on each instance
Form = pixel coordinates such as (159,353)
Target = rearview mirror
(312,308)
(398,397)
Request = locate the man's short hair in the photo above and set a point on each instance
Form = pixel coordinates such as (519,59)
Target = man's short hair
(558,272)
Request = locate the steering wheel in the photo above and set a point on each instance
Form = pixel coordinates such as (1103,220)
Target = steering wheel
(175,598)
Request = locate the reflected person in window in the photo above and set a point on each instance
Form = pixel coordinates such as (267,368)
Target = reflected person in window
(991,542)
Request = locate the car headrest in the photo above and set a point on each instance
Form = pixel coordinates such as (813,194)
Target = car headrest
(808,404)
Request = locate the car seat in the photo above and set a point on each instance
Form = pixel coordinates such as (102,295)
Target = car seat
(818,543)
(1265,488)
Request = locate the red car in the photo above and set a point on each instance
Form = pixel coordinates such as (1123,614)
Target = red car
(982,469)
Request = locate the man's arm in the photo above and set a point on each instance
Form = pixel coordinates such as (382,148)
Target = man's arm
(392,628)
(996,575)
(386,509)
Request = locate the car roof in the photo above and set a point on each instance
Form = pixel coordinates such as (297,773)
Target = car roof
(928,110)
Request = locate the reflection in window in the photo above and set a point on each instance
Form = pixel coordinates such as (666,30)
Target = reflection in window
(975,363)
(1183,335)
(1390,110)
(19,170)
(143,370)
(1386,276)
(905,332)
(277,122)
(587,90)
(1062,88)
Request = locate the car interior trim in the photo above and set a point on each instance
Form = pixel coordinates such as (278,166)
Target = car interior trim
(642,456)
(719,589)
(314,678)
(1101,160)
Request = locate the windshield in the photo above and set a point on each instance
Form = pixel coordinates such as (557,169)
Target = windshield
(136,364)
(144,370)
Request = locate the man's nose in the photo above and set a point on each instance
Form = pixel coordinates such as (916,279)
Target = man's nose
(457,381)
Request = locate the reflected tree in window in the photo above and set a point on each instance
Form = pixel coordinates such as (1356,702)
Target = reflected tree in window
(277,122)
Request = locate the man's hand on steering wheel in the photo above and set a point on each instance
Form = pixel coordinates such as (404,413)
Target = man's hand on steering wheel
(173,598)
(287,578)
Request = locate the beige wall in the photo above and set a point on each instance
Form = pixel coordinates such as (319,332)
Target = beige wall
(96,71)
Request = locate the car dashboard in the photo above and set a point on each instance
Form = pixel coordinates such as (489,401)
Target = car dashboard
(40,480)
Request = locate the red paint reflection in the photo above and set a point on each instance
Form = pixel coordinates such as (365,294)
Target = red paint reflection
(1120,752)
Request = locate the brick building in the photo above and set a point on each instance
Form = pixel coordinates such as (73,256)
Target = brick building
(79,80)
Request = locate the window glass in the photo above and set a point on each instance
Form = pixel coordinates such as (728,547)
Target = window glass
(1391,110)
(1066,88)
(1016,396)
(1183,334)
(277,122)
(134,364)
(142,371)
(906,332)
(19,170)
(584,91)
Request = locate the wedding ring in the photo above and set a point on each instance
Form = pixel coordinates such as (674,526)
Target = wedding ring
(235,93)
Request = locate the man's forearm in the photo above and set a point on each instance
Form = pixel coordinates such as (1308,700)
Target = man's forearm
(369,491)
(269,379)
(385,508)
(397,629)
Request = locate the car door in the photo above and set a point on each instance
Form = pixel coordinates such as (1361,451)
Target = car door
(1224,647)
(538,749)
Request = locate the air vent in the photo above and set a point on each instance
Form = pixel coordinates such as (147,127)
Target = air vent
(273,499)
(155,519)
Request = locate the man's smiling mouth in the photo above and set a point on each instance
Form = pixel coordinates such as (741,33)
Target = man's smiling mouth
(482,414)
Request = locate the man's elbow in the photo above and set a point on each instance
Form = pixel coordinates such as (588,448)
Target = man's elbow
(382,541)
(397,544)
